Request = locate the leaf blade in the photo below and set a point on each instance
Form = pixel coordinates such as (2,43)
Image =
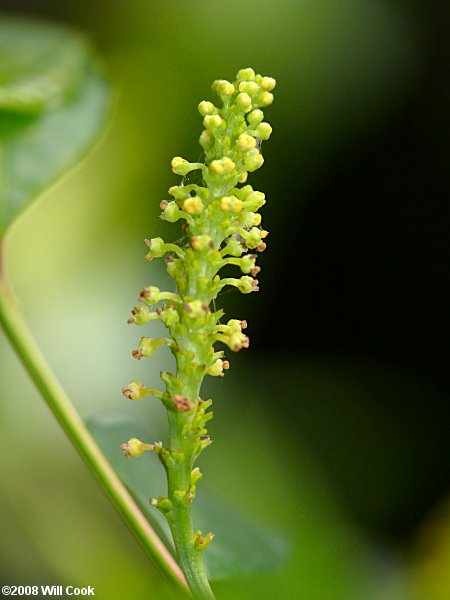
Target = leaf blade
(239,546)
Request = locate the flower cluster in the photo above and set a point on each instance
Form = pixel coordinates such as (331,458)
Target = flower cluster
(222,226)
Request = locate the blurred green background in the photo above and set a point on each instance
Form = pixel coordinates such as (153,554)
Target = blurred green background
(333,427)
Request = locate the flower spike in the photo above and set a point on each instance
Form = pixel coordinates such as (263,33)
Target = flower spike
(222,227)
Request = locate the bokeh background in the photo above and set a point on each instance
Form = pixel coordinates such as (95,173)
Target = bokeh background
(334,426)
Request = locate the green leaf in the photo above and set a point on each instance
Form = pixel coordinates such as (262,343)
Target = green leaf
(40,64)
(36,148)
(239,546)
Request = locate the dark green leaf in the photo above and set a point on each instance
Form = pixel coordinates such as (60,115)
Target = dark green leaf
(239,546)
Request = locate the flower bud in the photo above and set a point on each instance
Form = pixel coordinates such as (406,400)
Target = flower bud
(248,263)
(216,369)
(246,142)
(134,448)
(206,139)
(195,309)
(244,101)
(195,477)
(263,131)
(247,285)
(268,83)
(231,204)
(254,117)
(253,160)
(180,166)
(266,99)
(224,166)
(256,219)
(150,295)
(222,87)
(201,243)
(193,206)
(156,246)
(171,213)
(169,316)
(253,238)
(135,391)
(202,542)
(249,87)
(147,346)
(254,200)
(243,177)
(245,74)
(213,122)
(206,108)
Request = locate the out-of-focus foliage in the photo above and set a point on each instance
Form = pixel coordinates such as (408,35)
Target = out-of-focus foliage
(52,107)
(240,546)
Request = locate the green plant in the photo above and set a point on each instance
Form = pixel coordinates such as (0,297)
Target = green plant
(54,103)
(221,224)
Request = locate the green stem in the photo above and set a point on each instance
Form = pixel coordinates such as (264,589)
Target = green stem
(15,328)
(180,520)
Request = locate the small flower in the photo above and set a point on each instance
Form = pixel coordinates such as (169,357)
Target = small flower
(134,448)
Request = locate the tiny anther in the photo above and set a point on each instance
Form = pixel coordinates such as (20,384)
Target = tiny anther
(262,246)
(131,320)
(137,355)
(244,323)
(182,403)
(225,365)
(148,243)
(163,204)
(255,271)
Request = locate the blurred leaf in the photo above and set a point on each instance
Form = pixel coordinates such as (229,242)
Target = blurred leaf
(239,546)
(40,64)
(36,149)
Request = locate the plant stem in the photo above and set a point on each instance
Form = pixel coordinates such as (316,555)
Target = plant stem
(16,330)
(180,520)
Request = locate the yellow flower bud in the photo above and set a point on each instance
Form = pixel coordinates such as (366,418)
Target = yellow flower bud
(178,165)
(256,219)
(246,142)
(243,177)
(222,166)
(193,206)
(202,243)
(266,99)
(250,87)
(134,448)
(256,116)
(231,204)
(223,87)
(244,101)
(268,83)
(206,139)
(264,130)
(206,108)
(245,75)
(212,121)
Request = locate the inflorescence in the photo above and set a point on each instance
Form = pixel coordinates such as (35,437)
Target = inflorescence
(222,226)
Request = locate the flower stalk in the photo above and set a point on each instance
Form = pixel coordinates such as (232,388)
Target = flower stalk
(222,227)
